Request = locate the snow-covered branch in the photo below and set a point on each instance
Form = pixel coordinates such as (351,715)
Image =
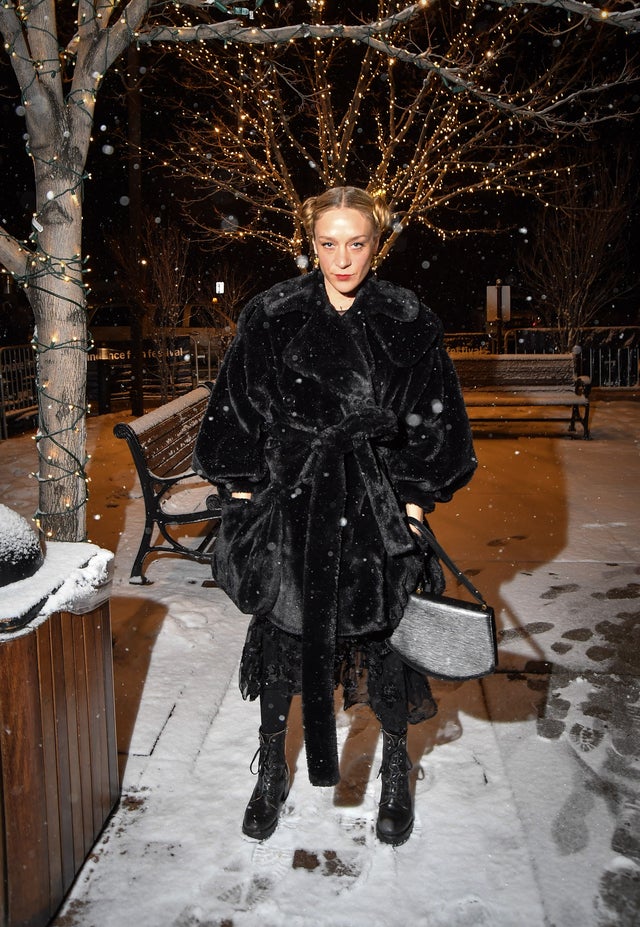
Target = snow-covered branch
(237,31)
(627,19)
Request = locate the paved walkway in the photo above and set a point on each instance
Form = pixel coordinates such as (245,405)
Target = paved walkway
(527,798)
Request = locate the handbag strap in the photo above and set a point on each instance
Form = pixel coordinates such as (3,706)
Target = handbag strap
(430,537)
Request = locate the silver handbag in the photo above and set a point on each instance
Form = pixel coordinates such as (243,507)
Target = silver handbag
(444,637)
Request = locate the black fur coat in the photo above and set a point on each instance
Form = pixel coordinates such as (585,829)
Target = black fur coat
(334,423)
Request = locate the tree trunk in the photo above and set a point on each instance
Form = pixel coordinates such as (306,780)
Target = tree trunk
(58,300)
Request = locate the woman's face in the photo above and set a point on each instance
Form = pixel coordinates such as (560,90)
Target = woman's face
(345,243)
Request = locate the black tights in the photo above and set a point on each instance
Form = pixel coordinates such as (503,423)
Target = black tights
(275,702)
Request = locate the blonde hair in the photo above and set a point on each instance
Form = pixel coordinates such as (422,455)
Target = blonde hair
(373,207)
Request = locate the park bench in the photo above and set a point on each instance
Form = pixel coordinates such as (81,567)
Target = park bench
(510,382)
(161,444)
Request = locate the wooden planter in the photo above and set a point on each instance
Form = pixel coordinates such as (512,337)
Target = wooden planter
(58,758)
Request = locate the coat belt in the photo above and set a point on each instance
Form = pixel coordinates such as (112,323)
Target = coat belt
(324,470)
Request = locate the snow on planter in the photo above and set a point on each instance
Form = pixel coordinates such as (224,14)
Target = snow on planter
(71,577)
(20,552)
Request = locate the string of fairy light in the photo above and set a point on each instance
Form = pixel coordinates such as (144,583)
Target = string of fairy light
(247,144)
(43,271)
(45,274)
(41,61)
(49,275)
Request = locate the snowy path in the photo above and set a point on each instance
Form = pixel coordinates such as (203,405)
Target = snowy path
(527,800)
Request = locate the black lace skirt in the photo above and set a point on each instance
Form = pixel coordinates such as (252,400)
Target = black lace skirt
(369,672)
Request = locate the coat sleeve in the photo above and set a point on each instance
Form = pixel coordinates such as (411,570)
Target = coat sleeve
(229,450)
(434,456)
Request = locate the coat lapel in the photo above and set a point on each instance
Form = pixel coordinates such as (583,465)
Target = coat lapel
(324,350)
(404,331)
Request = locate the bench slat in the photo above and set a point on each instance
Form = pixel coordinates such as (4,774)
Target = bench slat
(515,370)
(528,397)
(162,444)
(512,380)
(169,453)
(169,410)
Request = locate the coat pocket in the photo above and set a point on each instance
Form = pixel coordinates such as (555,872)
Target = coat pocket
(247,553)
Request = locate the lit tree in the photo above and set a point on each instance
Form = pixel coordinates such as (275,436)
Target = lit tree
(58,64)
(577,259)
(477,107)
(59,55)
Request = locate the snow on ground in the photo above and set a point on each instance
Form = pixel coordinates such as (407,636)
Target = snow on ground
(527,783)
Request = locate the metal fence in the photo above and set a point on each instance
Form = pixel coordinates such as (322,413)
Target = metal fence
(610,365)
(207,352)
(610,356)
(18,397)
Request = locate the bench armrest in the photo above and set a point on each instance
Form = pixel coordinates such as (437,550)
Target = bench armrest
(213,503)
(583,386)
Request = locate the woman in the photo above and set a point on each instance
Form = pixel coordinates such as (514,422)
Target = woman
(336,413)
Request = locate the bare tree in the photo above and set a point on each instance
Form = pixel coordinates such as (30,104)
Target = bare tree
(216,310)
(577,259)
(478,107)
(169,288)
(159,287)
(221,307)
(59,56)
(166,294)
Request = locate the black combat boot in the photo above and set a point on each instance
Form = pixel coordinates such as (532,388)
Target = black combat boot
(395,813)
(272,787)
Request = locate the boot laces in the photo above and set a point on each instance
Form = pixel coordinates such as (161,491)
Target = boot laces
(395,762)
(270,764)
(394,771)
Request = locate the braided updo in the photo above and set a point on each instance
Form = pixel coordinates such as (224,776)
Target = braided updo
(373,207)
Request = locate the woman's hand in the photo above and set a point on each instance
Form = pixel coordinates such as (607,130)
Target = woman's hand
(241,495)
(414,511)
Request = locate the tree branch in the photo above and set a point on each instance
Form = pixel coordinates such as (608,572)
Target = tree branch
(18,50)
(455,81)
(235,31)
(13,255)
(629,20)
